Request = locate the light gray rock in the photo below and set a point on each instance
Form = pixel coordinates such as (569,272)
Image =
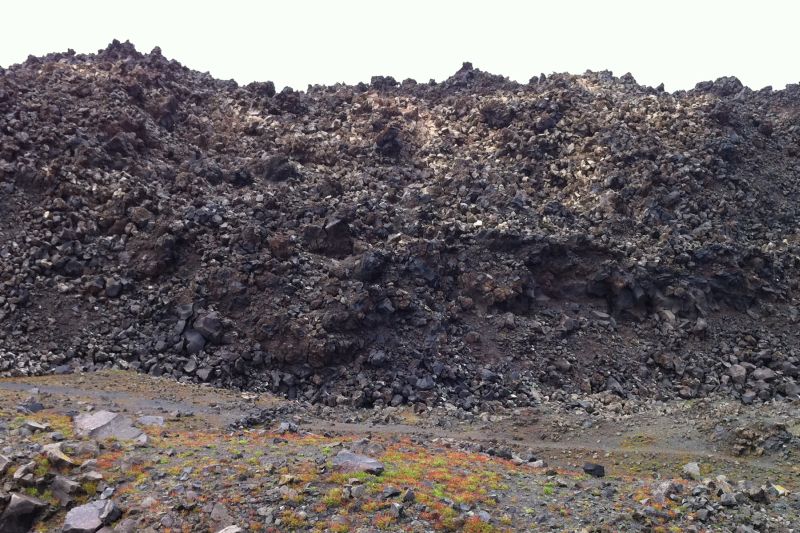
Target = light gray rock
(348,461)
(691,470)
(104,425)
(5,463)
(126,526)
(56,456)
(738,373)
(396,510)
(90,517)
(358,491)
(35,427)
(664,490)
(220,516)
(149,420)
(765,374)
(728,500)
(190,366)
(24,470)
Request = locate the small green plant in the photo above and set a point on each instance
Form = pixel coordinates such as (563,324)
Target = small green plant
(476,525)
(333,498)
(383,521)
(439,462)
(42,468)
(291,519)
(339,528)
(89,487)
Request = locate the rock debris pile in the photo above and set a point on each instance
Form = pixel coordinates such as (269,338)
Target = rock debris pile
(475,240)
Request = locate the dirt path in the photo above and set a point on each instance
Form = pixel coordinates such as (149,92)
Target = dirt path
(644,441)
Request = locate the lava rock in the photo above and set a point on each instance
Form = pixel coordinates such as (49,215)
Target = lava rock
(65,490)
(370,266)
(594,469)
(738,373)
(195,341)
(389,142)
(279,168)
(21,513)
(209,326)
(496,114)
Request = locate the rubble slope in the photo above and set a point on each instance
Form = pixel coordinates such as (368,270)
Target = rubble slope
(474,240)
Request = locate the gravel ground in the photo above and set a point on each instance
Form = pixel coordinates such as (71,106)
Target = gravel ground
(635,467)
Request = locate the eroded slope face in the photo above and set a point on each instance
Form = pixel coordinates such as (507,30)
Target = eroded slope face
(399,243)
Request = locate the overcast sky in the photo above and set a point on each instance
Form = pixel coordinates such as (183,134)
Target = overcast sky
(293,42)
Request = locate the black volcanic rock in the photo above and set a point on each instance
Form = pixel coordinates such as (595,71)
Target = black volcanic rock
(576,233)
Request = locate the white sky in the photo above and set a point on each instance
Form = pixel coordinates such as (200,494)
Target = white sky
(294,42)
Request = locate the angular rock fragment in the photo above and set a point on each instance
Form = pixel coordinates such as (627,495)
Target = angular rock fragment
(90,517)
(389,141)
(65,489)
(279,168)
(104,425)
(691,470)
(56,455)
(594,469)
(738,373)
(209,326)
(348,461)
(195,341)
(20,513)
(150,420)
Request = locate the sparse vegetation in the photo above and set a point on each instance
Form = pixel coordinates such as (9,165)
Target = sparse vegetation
(453,489)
